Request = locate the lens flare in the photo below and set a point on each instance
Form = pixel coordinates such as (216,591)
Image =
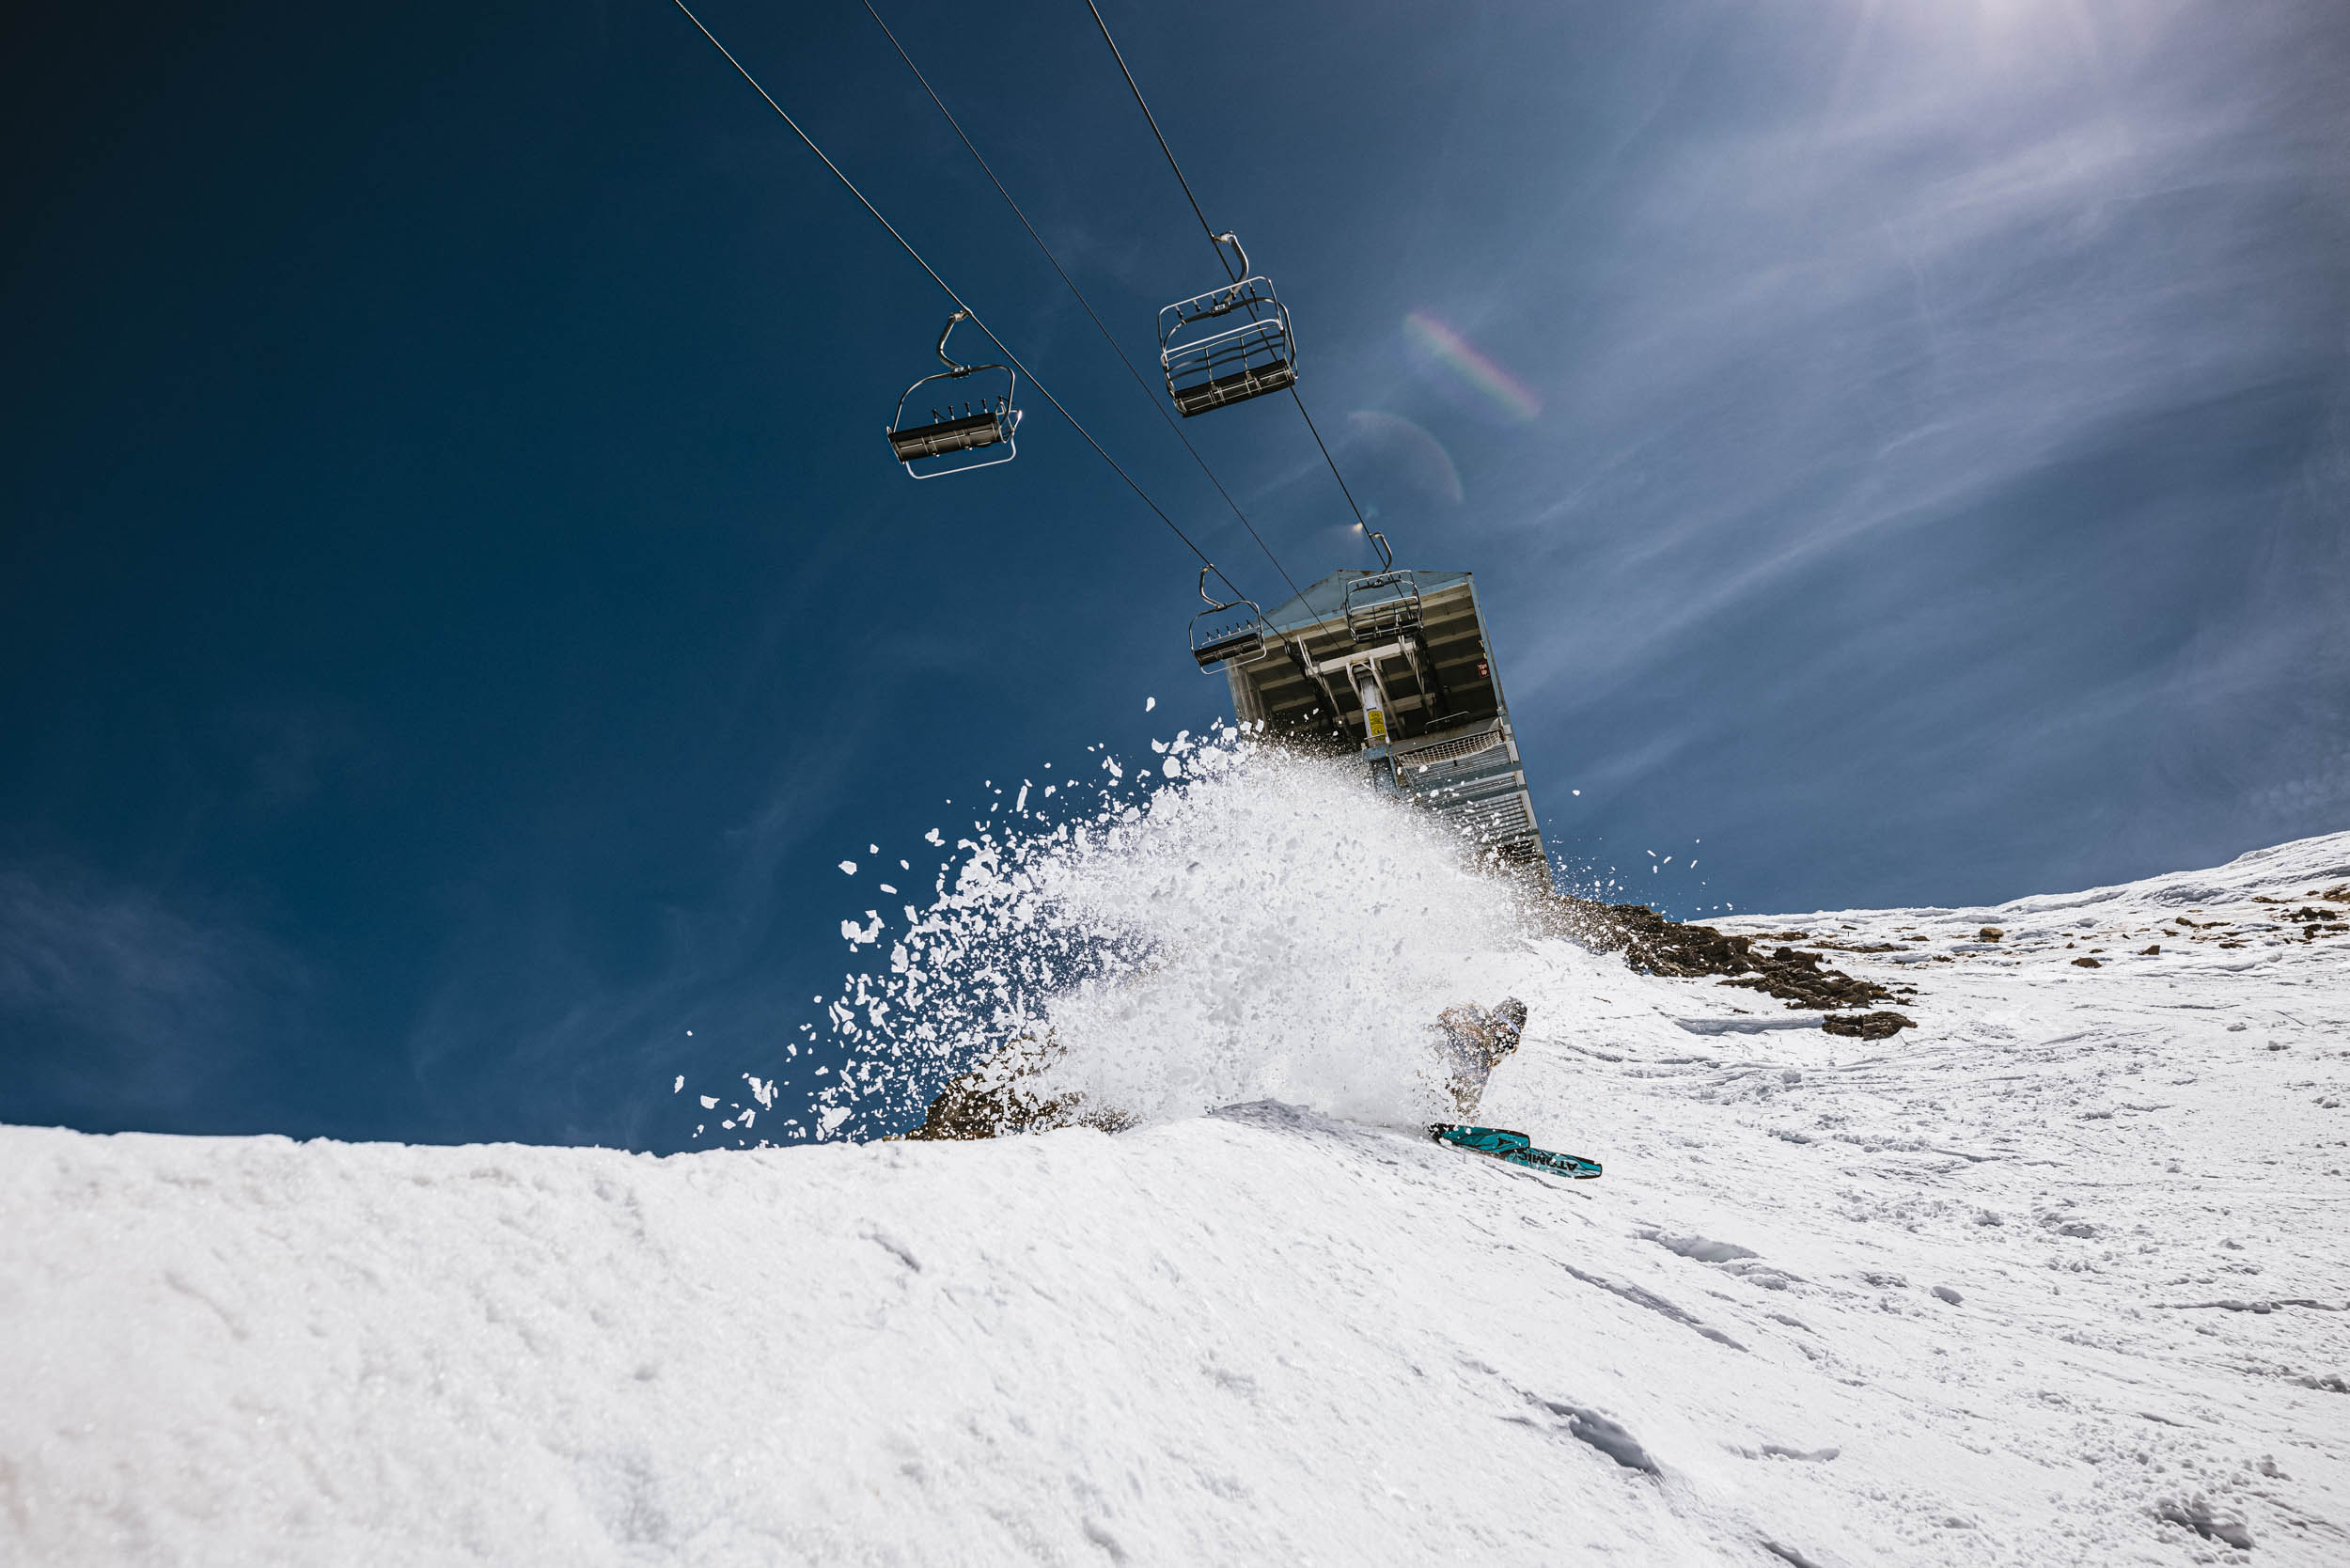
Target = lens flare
(1405,449)
(1457,355)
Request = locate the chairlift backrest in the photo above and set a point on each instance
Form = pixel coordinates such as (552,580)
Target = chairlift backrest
(1227,345)
(984,416)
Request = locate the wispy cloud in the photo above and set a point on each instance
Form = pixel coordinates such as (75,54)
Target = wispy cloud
(159,1001)
(1869,318)
(1957,375)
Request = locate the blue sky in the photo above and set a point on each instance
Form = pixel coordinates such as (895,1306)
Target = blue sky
(456,606)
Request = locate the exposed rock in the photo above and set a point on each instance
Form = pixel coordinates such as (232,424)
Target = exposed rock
(1989,934)
(2086,963)
(992,1100)
(1866,1025)
(1656,945)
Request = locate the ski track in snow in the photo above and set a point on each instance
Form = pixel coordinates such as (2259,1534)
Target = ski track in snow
(2057,1276)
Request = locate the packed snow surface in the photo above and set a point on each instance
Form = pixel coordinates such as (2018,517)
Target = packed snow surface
(2056,1276)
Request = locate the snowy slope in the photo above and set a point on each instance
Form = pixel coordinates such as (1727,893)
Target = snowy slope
(2011,1287)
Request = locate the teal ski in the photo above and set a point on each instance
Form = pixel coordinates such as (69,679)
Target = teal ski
(1516,1148)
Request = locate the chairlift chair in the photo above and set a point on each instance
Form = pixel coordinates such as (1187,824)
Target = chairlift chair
(1229,632)
(1210,361)
(987,420)
(1383,604)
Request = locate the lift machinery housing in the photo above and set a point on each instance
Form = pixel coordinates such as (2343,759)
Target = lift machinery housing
(1399,660)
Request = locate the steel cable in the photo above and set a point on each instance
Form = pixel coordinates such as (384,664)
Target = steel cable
(948,291)
(1106,335)
(1208,228)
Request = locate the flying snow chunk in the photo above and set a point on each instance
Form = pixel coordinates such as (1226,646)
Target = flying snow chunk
(1149,703)
(848,868)
(710,1102)
(679,1084)
(1172,768)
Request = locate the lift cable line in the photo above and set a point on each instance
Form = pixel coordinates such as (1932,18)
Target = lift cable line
(1205,226)
(1106,337)
(1216,241)
(968,314)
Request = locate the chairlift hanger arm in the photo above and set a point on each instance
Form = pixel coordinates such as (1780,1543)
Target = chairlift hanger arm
(944,357)
(1231,295)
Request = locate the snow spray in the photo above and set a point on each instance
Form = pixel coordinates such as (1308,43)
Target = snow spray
(1254,924)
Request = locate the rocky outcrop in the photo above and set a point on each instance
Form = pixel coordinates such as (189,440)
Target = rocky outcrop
(997,1099)
(1866,1025)
(1656,945)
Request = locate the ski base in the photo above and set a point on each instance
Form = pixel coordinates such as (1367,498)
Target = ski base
(1502,1144)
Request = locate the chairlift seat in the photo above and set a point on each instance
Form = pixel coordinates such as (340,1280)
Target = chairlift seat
(1243,646)
(1250,381)
(963,433)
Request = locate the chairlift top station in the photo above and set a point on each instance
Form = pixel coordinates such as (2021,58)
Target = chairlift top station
(1397,657)
(1399,660)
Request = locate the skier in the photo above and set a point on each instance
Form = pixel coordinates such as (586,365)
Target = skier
(1474,1042)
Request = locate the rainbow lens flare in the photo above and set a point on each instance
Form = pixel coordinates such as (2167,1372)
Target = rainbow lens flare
(1462,357)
